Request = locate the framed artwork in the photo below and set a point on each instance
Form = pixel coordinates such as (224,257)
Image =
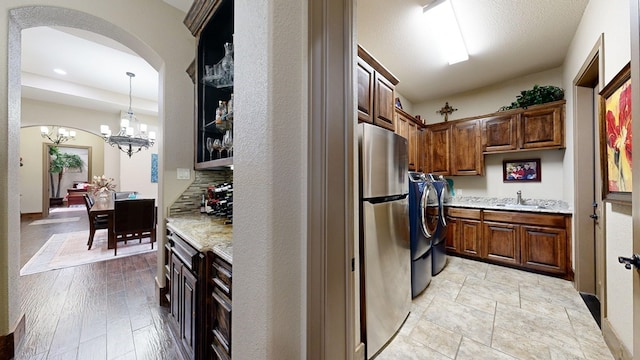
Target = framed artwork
(524,170)
(154,168)
(615,138)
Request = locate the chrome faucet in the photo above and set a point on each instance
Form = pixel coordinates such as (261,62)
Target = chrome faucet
(519,197)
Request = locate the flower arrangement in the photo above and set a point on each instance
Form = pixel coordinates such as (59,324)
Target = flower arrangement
(102,184)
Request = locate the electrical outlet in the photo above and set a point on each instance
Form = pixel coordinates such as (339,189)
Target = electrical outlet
(459,192)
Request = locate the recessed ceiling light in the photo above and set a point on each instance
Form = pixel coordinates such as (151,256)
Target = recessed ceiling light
(60,71)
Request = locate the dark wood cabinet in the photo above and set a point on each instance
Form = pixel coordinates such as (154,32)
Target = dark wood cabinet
(464,231)
(501,243)
(544,249)
(410,128)
(535,128)
(211,22)
(437,146)
(454,148)
(466,149)
(500,133)
(185,284)
(538,242)
(220,315)
(376,91)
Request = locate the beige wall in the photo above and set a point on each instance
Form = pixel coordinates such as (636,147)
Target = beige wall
(617,53)
(487,100)
(31,174)
(159,37)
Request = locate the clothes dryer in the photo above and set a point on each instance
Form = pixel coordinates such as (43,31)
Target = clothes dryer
(423,203)
(438,242)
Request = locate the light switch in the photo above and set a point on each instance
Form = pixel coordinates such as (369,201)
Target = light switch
(184,174)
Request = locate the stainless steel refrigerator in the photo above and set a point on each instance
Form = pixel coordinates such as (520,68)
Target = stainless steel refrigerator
(384,235)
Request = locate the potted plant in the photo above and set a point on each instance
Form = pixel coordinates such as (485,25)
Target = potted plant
(58,164)
(537,95)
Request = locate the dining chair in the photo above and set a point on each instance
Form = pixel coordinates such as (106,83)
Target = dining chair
(134,219)
(98,221)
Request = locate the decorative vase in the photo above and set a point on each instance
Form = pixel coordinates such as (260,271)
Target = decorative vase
(104,194)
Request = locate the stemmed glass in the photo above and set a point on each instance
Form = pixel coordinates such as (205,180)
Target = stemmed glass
(227,142)
(217,144)
(210,147)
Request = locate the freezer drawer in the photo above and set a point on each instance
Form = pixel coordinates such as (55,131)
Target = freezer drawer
(387,270)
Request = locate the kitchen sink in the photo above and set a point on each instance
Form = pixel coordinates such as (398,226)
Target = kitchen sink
(520,206)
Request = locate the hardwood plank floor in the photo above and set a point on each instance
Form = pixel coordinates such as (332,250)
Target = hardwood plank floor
(104,310)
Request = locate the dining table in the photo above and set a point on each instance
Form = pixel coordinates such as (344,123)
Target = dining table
(103,206)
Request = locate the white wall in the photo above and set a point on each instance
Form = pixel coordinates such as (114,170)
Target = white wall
(610,17)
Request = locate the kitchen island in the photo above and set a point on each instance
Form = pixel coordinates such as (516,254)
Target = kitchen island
(534,235)
(198,258)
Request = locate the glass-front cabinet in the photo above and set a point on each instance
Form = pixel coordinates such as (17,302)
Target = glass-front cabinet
(214,87)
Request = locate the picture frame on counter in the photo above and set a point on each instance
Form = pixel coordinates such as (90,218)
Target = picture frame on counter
(615,138)
(521,170)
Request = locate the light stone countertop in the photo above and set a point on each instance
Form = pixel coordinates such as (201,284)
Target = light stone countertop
(544,206)
(204,233)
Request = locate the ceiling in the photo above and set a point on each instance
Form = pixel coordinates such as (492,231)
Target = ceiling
(505,39)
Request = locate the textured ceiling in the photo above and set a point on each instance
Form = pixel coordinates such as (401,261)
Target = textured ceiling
(505,39)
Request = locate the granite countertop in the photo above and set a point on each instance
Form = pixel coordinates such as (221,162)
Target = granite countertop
(530,205)
(204,233)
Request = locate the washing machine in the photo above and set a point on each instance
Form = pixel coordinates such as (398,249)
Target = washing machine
(438,241)
(423,205)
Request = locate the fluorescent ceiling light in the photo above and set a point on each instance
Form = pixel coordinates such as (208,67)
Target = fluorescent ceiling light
(60,71)
(441,17)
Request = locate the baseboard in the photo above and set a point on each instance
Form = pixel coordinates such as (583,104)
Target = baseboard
(10,342)
(617,348)
(30,216)
(162,294)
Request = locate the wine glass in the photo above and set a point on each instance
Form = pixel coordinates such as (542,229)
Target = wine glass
(210,147)
(227,142)
(217,144)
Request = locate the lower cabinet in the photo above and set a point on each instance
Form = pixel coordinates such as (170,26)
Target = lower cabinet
(220,316)
(185,267)
(525,240)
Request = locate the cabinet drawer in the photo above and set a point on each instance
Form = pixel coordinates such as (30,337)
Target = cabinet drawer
(514,217)
(222,275)
(474,214)
(222,326)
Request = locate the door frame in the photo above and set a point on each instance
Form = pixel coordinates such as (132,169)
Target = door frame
(635,108)
(589,260)
(46,179)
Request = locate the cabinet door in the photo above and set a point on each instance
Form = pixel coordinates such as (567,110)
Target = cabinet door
(452,238)
(544,249)
(501,243)
(402,125)
(420,150)
(383,102)
(437,142)
(189,298)
(542,128)
(500,133)
(470,237)
(365,74)
(413,145)
(175,266)
(466,152)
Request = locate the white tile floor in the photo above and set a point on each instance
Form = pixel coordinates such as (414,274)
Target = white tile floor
(473,310)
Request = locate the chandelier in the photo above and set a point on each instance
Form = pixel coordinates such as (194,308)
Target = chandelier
(132,136)
(57,136)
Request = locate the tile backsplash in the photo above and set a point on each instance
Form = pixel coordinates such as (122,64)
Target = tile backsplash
(189,201)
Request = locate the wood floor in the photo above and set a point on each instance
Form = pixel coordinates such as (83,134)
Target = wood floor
(105,310)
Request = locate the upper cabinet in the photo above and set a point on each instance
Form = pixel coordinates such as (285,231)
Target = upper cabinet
(410,128)
(453,148)
(211,22)
(535,128)
(376,91)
